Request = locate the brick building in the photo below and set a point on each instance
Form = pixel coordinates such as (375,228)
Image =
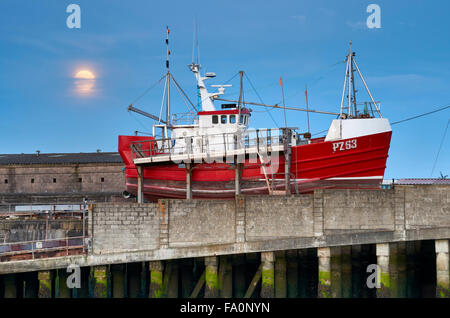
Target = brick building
(61,177)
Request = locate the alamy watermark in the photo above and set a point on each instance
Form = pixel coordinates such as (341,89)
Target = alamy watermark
(373,280)
(374,20)
(74,279)
(74,19)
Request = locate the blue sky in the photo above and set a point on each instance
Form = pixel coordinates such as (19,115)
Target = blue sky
(406,64)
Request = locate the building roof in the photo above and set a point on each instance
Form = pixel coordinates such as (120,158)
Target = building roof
(60,158)
(422,181)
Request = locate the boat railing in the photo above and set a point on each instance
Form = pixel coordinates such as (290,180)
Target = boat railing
(258,140)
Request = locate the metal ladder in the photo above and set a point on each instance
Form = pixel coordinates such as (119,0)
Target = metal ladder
(269,188)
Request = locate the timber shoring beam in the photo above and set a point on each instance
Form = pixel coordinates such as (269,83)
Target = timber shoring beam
(199,285)
(253,283)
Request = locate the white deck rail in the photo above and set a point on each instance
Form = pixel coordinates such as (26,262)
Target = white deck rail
(210,148)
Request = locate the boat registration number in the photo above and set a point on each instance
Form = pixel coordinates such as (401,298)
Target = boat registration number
(344,145)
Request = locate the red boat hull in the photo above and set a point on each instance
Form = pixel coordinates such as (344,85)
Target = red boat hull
(321,164)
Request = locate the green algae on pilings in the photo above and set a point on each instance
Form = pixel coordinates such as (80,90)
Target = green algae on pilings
(325,278)
(385,286)
(156,284)
(45,288)
(324,288)
(268,277)
(385,280)
(442,291)
(393,286)
(268,283)
(101,285)
(211,278)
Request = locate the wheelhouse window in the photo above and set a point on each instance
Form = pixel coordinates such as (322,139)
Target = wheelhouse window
(243,119)
(215,119)
(232,119)
(223,119)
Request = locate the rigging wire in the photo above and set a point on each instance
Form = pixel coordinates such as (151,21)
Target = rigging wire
(440,147)
(183,98)
(148,89)
(406,119)
(421,115)
(327,70)
(132,115)
(320,132)
(261,100)
(182,93)
(232,78)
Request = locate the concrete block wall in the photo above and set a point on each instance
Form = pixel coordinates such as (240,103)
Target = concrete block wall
(358,210)
(197,222)
(124,227)
(259,223)
(173,229)
(279,217)
(17,178)
(427,206)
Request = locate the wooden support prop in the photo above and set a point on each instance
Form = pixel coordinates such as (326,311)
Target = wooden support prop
(188,181)
(237,178)
(171,279)
(254,282)
(140,182)
(199,285)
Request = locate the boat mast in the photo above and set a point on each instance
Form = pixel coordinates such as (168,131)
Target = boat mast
(241,94)
(352,54)
(377,107)
(343,89)
(349,74)
(349,70)
(168,80)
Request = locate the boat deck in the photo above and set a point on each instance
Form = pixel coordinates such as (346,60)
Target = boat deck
(209,156)
(232,146)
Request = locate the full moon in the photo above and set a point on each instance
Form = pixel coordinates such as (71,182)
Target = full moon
(85,74)
(84,83)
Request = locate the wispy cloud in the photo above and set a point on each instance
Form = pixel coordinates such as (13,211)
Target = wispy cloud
(408,82)
(36,43)
(404,79)
(88,43)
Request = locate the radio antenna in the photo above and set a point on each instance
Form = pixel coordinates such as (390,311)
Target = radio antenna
(195,44)
(168,78)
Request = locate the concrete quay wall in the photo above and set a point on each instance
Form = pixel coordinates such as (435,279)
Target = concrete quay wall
(171,229)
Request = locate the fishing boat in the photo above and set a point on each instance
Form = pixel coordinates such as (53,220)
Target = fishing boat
(211,153)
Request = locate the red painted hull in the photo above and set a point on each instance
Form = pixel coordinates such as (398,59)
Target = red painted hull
(319,164)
